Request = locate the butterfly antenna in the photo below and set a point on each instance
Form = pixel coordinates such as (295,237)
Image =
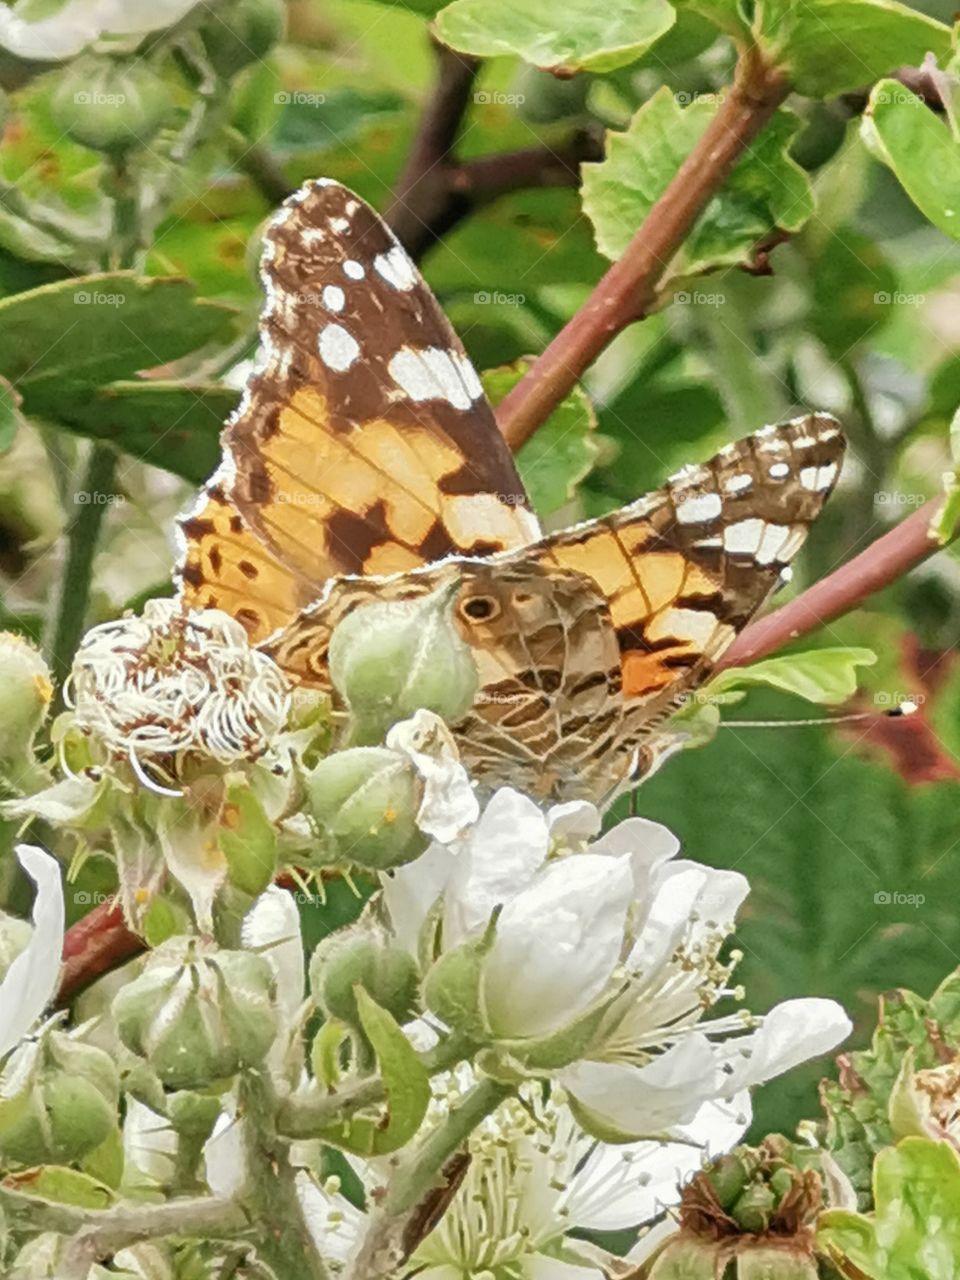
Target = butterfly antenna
(905,708)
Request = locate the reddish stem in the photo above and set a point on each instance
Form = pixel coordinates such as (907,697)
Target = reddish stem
(98,942)
(626,291)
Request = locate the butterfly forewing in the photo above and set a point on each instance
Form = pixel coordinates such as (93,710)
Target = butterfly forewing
(364,443)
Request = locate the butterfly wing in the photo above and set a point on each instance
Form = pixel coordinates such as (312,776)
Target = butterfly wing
(597,633)
(364,444)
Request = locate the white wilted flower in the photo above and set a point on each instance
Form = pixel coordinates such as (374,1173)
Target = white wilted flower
(172,682)
(449,804)
(78,23)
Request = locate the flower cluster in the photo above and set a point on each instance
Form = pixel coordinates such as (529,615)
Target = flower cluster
(533,1011)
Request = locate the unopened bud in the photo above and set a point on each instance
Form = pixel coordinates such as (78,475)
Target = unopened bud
(365,801)
(108,105)
(58,1100)
(388,660)
(386,972)
(197,1014)
(26,692)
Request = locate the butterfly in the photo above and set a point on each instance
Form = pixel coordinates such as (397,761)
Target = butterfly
(364,463)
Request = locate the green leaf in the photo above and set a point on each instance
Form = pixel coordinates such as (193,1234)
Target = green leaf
(64,339)
(69,1186)
(171,425)
(855,290)
(581,36)
(563,451)
(248,839)
(825,676)
(902,131)
(766,190)
(406,1083)
(832,46)
(915,1232)
(9,414)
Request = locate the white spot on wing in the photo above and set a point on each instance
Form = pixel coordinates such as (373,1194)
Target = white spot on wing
(771,544)
(333,297)
(744,536)
(433,373)
(396,268)
(338,348)
(704,506)
(738,483)
(339,224)
(779,471)
(353,269)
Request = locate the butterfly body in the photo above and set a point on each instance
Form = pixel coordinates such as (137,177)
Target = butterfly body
(364,464)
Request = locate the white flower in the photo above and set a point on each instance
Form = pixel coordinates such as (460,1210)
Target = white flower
(617,927)
(449,803)
(167,683)
(79,23)
(149,1143)
(31,981)
(660,1059)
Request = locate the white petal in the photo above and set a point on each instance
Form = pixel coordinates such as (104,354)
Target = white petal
(790,1033)
(272,927)
(648,1244)
(411,891)
(649,844)
(540,1267)
(334,1223)
(503,852)
(193,855)
(224,1157)
(681,891)
(574,822)
(449,803)
(645,1101)
(31,980)
(556,945)
(149,1143)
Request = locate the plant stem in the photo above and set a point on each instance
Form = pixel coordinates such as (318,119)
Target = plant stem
(303,1115)
(629,288)
(389,1241)
(97,1233)
(91,499)
(283,1239)
(895,553)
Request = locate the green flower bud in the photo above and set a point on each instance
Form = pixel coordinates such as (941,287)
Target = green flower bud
(754,1208)
(387,973)
(197,1014)
(781,1181)
(110,105)
(58,1100)
(452,989)
(244,32)
(388,660)
(728,1176)
(365,801)
(26,691)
